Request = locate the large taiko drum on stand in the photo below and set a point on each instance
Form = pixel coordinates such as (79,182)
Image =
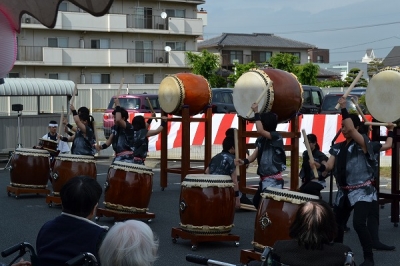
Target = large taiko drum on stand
(207,204)
(275,215)
(181,89)
(284,97)
(128,187)
(67,166)
(30,168)
(381,95)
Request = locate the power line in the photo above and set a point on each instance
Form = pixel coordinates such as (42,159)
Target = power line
(365,43)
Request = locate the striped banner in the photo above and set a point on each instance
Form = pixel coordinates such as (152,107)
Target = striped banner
(324,127)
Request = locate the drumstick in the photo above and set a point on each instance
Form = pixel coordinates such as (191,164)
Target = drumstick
(376,124)
(120,87)
(309,152)
(359,110)
(352,85)
(61,120)
(235,136)
(261,96)
(73,95)
(151,108)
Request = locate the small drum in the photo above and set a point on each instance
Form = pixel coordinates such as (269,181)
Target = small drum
(207,204)
(284,97)
(67,166)
(184,89)
(128,187)
(30,168)
(276,214)
(380,96)
(48,144)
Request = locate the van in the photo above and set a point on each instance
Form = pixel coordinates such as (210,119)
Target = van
(312,100)
(331,99)
(133,103)
(222,101)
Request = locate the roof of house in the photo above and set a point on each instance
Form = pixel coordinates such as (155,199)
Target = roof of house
(325,72)
(253,40)
(393,58)
(36,87)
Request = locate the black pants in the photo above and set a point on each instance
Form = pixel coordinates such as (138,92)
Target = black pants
(312,188)
(365,222)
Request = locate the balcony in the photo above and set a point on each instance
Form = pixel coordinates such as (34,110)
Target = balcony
(51,56)
(120,23)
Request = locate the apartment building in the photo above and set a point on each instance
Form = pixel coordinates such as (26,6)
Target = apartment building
(140,41)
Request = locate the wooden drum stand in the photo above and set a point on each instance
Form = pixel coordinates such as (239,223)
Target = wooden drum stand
(185,168)
(247,255)
(394,196)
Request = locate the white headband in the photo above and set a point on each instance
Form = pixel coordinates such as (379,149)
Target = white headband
(53,125)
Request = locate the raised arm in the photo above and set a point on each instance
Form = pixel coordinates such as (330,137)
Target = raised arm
(389,140)
(260,129)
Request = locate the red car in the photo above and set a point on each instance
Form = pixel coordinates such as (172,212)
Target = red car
(133,103)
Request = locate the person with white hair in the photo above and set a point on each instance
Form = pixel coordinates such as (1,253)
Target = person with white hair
(129,243)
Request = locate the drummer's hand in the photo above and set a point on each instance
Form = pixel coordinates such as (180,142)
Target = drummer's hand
(65,121)
(239,162)
(71,107)
(22,262)
(97,147)
(254,107)
(116,101)
(342,102)
(390,126)
(237,203)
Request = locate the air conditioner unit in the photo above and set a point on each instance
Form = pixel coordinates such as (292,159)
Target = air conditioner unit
(27,20)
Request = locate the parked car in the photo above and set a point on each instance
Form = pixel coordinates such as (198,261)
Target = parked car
(222,101)
(359,91)
(312,100)
(133,103)
(331,99)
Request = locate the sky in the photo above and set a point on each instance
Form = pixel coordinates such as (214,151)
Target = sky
(346,27)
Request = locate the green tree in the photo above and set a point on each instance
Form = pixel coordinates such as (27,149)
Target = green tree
(330,83)
(307,74)
(205,64)
(240,69)
(285,62)
(351,77)
(374,66)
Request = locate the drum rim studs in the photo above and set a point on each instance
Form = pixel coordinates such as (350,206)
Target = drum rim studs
(182,205)
(265,221)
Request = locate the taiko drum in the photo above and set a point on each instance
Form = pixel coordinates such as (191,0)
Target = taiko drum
(67,166)
(207,204)
(275,215)
(30,168)
(284,97)
(184,89)
(128,187)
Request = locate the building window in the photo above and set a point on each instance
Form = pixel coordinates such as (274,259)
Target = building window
(59,76)
(100,44)
(295,54)
(260,56)
(144,79)
(176,46)
(320,59)
(63,6)
(177,13)
(98,78)
(13,75)
(144,52)
(236,57)
(61,42)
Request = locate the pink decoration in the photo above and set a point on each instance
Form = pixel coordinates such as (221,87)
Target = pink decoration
(8,44)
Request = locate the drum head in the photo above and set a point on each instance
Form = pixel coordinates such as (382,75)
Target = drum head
(381,96)
(246,92)
(171,94)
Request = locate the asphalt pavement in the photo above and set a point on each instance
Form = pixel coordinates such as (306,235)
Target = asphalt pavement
(22,217)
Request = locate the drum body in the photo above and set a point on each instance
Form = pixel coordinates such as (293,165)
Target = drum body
(48,144)
(284,97)
(67,166)
(275,215)
(128,187)
(184,89)
(381,95)
(30,168)
(207,204)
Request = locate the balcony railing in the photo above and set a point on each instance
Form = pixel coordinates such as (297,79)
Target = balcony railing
(30,53)
(147,56)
